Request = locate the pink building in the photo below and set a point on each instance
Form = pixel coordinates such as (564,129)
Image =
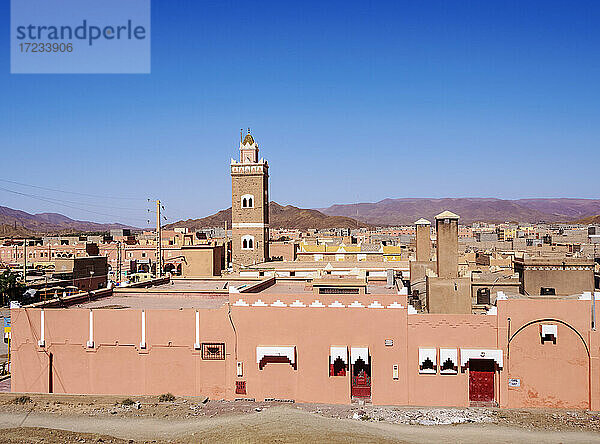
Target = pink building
(285,341)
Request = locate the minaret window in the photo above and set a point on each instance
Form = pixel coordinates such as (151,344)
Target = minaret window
(247,201)
(247,242)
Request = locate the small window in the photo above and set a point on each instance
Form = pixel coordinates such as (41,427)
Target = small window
(548,332)
(547,291)
(247,242)
(247,201)
(213,351)
(427,361)
(483,296)
(338,368)
(240,387)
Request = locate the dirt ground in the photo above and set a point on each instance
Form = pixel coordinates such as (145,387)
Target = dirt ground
(93,419)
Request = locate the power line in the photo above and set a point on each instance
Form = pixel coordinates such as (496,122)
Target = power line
(76,202)
(55,202)
(69,192)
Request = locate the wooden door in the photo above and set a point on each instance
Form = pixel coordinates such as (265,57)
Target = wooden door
(481,380)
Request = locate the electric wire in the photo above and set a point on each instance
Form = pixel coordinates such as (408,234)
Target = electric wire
(69,192)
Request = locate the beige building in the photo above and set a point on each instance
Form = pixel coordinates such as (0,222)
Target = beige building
(446,292)
(559,276)
(249,206)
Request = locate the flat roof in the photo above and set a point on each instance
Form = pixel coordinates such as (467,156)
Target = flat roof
(317,265)
(156,302)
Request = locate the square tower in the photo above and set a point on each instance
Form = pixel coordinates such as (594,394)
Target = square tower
(423,240)
(446,227)
(249,206)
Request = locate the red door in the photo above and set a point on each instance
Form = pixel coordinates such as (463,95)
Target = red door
(361,385)
(361,379)
(481,381)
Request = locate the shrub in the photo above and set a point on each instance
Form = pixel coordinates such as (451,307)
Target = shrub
(166,397)
(128,401)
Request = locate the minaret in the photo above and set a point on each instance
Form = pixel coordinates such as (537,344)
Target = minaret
(249,206)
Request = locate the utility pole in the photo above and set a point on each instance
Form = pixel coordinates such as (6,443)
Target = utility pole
(118,262)
(158,242)
(25,261)
(226,246)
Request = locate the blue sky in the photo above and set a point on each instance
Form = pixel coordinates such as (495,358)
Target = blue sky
(349,101)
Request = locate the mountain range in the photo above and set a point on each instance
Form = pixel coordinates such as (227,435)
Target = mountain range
(20,223)
(281,216)
(406,211)
(387,212)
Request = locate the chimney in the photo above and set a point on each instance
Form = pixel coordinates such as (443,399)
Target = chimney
(446,226)
(423,240)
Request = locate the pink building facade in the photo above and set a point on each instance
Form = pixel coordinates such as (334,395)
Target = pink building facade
(324,348)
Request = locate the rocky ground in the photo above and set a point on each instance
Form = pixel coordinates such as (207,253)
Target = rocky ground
(38,418)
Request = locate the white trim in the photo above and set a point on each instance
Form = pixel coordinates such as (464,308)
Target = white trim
(90,342)
(338,352)
(317,304)
(197,343)
(445,354)
(249,225)
(42,341)
(143,341)
(430,353)
(297,303)
(472,353)
(260,303)
(288,351)
(356,304)
(359,352)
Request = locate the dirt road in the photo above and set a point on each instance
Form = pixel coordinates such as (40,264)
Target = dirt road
(276,424)
(43,418)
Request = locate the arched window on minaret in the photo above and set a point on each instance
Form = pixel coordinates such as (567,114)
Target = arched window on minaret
(248,201)
(247,242)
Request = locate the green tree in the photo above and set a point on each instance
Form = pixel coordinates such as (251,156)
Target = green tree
(10,287)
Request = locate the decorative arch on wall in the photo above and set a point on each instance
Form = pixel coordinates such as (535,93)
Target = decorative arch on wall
(538,321)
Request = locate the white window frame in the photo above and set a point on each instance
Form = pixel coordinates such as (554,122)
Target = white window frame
(452,354)
(424,354)
(249,198)
(249,239)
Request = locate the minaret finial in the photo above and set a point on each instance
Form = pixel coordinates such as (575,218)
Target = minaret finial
(241,135)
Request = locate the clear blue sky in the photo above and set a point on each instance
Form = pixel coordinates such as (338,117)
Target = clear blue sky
(349,101)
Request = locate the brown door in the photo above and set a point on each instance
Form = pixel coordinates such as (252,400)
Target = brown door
(361,380)
(481,380)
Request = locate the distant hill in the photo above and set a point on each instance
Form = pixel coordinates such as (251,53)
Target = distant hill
(280,216)
(592,220)
(406,211)
(20,223)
